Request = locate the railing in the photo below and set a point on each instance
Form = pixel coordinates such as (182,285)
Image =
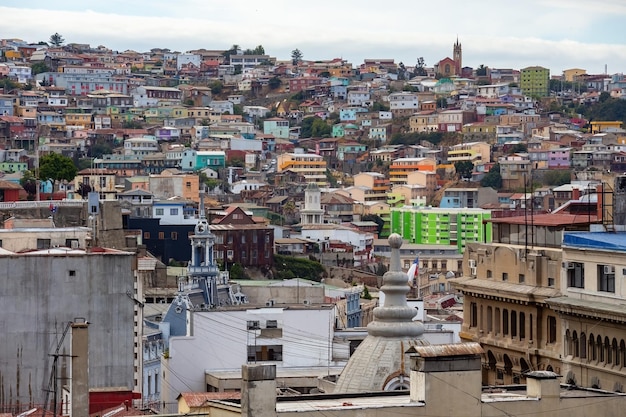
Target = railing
(41,204)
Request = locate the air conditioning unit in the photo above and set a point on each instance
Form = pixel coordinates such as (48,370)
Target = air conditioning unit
(472,263)
(269,303)
(473,271)
(609,269)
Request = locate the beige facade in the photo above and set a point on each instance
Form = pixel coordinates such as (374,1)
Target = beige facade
(592,312)
(171,184)
(427,179)
(505,290)
(425,121)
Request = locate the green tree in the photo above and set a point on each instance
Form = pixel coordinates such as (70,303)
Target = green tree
(216,87)
(419,68)
(237,109)
(493,178)
(366,293)
(29,184)
(481,71)
(56,40)
(377,106)
(557,177)
(57,167)
(464,169)
(320,128)
(274,83)
(296,56)
(232,51)
(98,149)
(39,67)
(237,272)
(518,147)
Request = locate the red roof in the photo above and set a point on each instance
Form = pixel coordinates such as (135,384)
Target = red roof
(12,119)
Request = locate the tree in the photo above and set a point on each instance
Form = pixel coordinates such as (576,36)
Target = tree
(39,67)
(234,50)
(419,68)
(57,167)
(274,83)
(84,189)
(493,178)
(296,56)
(29,184)
(216,87)
(481,71)
(56,40)
(464,169)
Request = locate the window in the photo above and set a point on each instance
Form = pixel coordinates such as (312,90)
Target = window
(473,315)
(271,324)
(522,278)
(174,212)
(146,235)
(71,273)
(550,282)
(606,278)
(489,273)
(265,353)
(161,235)
(253,325)
(188,184)
(505,276)
(43,243)
(575,274)
(159,212)
(243,238)
(505,322)
(551,329)
(174,235)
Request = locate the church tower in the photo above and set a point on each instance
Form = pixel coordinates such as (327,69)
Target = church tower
(457,56)
(313,213)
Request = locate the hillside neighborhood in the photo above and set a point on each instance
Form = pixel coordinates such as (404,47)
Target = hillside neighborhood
(195,212)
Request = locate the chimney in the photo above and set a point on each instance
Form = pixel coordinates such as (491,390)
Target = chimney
(452,371)
(575,194)
(543,385)
(79,376)
(258,391)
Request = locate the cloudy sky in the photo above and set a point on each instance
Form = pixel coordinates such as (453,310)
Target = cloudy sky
(557,34)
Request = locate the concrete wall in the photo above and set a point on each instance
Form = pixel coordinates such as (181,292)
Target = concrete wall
(220,340)
(39,294)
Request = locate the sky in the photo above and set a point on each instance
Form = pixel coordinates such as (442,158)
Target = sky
(556,34)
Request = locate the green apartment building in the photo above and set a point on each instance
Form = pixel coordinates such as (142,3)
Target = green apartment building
(534,81)
(442,226)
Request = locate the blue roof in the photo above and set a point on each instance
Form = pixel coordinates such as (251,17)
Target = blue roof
(596,240)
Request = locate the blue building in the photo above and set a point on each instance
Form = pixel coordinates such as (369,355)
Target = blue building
(193,160)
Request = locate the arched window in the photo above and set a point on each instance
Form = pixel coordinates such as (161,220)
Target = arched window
(608,357)
(622,352)
(583,345)
(593,353)
(505,322)
(615,352)
(531,326)
(600,349)
(489,319)
(513,324)
(498,318)
(568,343)
(522,326)
(575,353)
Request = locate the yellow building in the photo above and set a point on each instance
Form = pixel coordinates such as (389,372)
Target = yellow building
(603,126)
(99,180)
(310,166)
(572,73)
(424,121)
(472,151)
(79,119)
(400,168)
